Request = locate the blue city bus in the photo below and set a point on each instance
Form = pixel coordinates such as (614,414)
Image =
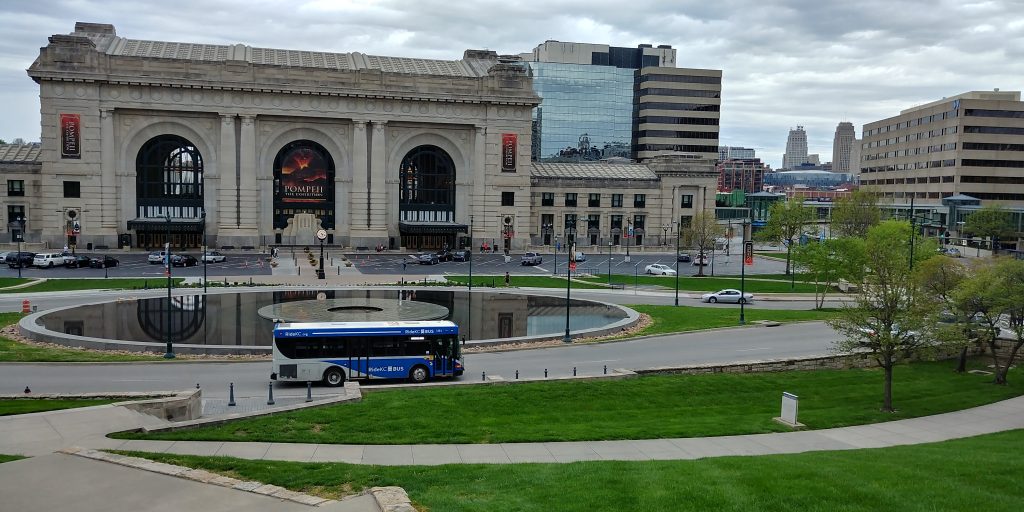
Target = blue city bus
(335,351)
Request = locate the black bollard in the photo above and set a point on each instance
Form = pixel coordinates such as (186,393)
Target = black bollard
(27,390)
(270,400)
(573,371)
(339,271)
(309,391)
(250,281)
(606,369)
(545,373)
(197,385)
(483,375)
(231,394)
(517,374)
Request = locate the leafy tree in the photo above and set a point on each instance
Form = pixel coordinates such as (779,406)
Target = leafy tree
(703,231)
(3,141)
(937,279)
(995,296)
(992,222)
(854,215)
(887,319)
(829,261)
(785,224)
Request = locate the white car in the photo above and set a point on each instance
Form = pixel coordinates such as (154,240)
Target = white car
(579,256)
(727,295)
(48,260)
(213,257)
(155,258)
(657,269)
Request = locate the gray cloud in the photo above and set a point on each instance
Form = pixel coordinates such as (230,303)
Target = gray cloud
(787,62)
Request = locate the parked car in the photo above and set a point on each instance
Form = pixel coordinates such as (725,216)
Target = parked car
(3,256)
(444,255)
(462,255)
(19,259)
(683,257)
(699,260)
(727,295)
(531,258)
(79,262)
(156,258)
(953,252)
(183,260)
(213,257)
(427,258)
(48,260)
(104,262)
(579,256)
(657,269)
(68,257)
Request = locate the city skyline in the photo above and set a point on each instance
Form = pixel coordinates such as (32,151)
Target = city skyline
(786,64)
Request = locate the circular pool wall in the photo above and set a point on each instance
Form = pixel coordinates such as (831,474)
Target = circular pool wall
(241,323)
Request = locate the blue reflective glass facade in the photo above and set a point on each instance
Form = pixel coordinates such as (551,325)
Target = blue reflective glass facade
(582,99)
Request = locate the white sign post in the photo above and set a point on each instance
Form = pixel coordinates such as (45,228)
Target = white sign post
(790,408)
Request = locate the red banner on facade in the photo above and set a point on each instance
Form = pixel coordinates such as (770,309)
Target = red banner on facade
(70,136)
(509,143)
(303,177)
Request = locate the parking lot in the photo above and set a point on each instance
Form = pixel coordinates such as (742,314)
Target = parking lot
(134,264)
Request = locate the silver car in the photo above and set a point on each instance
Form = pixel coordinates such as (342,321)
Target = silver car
(728,295)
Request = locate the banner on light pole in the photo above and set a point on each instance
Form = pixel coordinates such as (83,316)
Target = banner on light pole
(748,253)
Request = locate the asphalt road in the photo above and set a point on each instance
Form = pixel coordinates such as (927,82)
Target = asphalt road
(251,379)
(136,265)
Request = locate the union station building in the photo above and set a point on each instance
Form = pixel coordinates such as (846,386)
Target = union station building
(253,147)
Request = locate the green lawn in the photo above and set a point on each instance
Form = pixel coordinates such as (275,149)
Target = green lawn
(12,281)
(519,281)
(63,285)
(964,474)
(669,319)
(13,351)
(9,458)
(649,407)
(707,284)
(10,407)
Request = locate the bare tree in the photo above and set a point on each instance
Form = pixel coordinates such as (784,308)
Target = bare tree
(703,231)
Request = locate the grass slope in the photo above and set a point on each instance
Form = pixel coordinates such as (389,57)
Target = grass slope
(641,408)
(29,405)
(9,458)
(964,474)
(520,281)
(64,285)
(707,284)
(670,319)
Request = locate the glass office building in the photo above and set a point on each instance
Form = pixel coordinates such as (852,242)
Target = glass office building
(586,112)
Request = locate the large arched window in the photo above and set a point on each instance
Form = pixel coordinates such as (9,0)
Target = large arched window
(169,172)
(426,183)
(303,183)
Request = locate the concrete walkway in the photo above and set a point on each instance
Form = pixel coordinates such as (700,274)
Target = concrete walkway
(997,417)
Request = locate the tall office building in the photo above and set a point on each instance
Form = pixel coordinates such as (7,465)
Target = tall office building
(796,148)
(727,152)
(603,101)
(855,152)
(971,144)
(842,145)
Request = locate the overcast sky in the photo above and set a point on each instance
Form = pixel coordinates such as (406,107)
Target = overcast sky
(785,63)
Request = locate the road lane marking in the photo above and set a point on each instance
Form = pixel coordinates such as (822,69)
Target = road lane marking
(752,349)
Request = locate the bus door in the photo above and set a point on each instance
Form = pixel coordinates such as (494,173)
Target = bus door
(441,349)
(359,357)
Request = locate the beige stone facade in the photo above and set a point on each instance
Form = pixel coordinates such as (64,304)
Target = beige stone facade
(411,149)
(971,144)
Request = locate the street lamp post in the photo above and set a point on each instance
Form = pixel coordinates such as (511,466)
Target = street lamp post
(169,354)
(743,274)
(664,235)
(629,234)
(677,263)
(206,250)
(21,237)
(570,232)
(609,263)
(469,252)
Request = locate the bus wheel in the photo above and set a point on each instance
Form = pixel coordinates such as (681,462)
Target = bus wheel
(334,377)
(419,374)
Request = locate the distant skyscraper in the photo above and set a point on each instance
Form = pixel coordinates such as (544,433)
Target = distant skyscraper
(727,152)
(855,153)
(796,148)
(842,145)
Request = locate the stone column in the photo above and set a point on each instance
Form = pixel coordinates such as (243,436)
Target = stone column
(479,170)
(378,196)
(227,207)
(358,205)
(249,199)
(109,214)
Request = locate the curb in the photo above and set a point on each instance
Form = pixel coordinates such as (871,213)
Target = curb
(201,476)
